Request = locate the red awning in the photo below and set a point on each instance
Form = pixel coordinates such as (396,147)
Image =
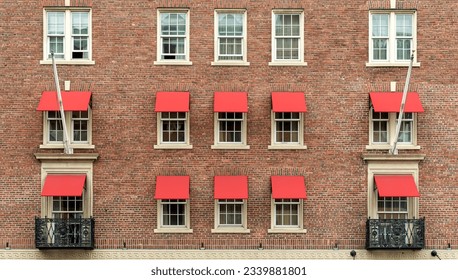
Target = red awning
(288,187)
(231,102)
(64,185)
(172,187)
(172,102)
(396,186)
(390,102)
(288,102)
(231,187)
(71,100)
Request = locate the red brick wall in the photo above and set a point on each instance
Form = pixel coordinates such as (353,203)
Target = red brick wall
(124,81)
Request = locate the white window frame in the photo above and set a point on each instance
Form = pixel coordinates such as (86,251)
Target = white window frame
(378,165)
(217,61)
(161,228)
(68,37)
(159,60)
(288,62)
(285,228)
(172,145)
(219,228)
(47,144)
(391,127)
(230,145)
(392,60)
(56,166)
(287,145)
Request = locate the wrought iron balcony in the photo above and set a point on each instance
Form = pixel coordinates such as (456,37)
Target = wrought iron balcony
(395,234)
(51,233)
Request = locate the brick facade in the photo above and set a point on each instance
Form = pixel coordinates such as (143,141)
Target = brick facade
(124,82)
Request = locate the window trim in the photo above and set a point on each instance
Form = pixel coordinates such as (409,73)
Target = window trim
(67,37)
(171,229)
(171,145)
(244,61)
(69,124)
(384,167)
(80,167)
(159,60)
(391,126)
(290,62)
(230,145)
(286,229)
(287,146)
(218,228)
(391,56)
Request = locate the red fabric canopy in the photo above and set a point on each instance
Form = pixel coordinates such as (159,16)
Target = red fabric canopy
(64,185)
(231,187)
(231,102)
(288,102)
(396,186)
(288,187)
(172,187)
(172,102)
(71,100)
(390,102)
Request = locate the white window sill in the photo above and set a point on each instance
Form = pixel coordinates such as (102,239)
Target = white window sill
(391,64)
(230,230)
(287,63)
(287,147)
(172,146)
(388,147)
(173,62)
(286,230)
(230,147)
(61,146)
(172,230)
(231,63)
(69,62)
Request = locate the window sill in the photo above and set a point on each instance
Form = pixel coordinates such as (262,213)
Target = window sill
(68,62)
(286,230)
(230,147)
(172,230)
(61,146)
(287,147)
(173,147)
(230,230)
(285,63)
(389,147)
(179,63)
(392,64)
(237,63)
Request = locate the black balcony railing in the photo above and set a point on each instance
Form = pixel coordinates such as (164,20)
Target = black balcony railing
(395,234)
(51,233)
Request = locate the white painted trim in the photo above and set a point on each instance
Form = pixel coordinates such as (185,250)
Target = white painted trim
(231,229)
(164,229)
(285,229)
(287,146)
(292,62)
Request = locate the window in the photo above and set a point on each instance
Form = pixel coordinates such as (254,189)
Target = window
(68,36)
(78,120)
(288,194)
(288,38)
(172,110)
(231,216)
(173,216)
(288,120)
(392,38)
(173,37)
(230,37)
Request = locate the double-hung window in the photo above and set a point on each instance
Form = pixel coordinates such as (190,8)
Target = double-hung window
(230,37)
(78,120)
(288,38)
(384,115)
(392,38)
(288,110)
(172,110)
(173,37)
(230,110)
(67,35)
